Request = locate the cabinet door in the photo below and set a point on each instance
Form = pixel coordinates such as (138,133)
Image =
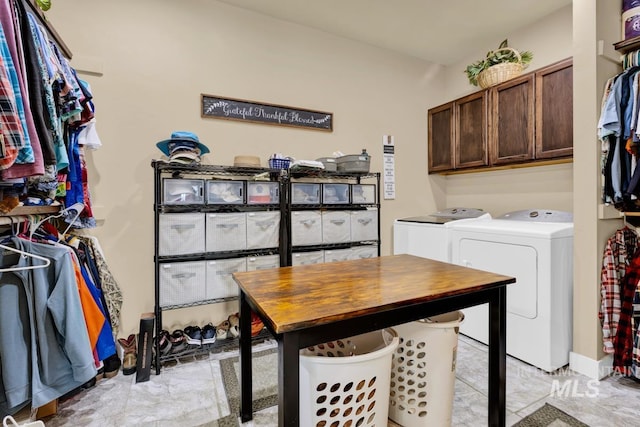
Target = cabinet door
(471,130)
(512,121)
(441,138)
(554,110)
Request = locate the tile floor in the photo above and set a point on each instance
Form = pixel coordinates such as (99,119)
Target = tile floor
(191,394)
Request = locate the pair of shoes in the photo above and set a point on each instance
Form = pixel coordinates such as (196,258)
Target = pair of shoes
(165,343)
(256,324)
(129,354)
(234,325)
(111,366)
(222,330)
(194,335)
(209,334)
(178,341)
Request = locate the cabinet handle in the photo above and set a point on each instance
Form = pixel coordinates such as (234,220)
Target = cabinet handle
(224,273)
(337,221)
(227,225)
(364,221)
(181,227)
(308,222)
(265,224)
(183,275)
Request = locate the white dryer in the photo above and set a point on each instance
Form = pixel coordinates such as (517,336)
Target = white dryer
(428,236)
(535,247)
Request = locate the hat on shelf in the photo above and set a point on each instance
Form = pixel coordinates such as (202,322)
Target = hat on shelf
(246,161)
(182,141)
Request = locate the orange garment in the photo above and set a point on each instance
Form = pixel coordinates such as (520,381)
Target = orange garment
(94,319)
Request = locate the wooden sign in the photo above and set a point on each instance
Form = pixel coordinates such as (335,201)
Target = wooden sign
(271,114)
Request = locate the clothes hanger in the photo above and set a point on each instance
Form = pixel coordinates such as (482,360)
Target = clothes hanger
(47,261)
(76,207)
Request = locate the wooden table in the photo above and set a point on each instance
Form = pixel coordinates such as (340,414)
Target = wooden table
(307,305)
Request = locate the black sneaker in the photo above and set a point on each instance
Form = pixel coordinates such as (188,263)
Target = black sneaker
(194,335)
(208,334)
(178,341)
(165,343)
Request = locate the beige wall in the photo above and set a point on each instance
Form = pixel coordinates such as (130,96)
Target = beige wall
(150,61)
(498,192)
(156,58)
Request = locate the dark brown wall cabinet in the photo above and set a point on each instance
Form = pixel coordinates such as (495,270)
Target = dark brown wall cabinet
(441,138)
(523,120)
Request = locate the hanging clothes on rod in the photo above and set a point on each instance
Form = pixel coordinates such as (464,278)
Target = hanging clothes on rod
(617,129)
(55,112)
(618,252)
(48,352)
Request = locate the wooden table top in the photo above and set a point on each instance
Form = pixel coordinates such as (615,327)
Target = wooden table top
(302,296)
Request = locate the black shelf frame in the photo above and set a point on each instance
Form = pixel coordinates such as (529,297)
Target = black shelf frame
(318,177)
(284,178)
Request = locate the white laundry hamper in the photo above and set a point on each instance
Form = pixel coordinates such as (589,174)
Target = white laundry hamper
(346,382)
(423,371)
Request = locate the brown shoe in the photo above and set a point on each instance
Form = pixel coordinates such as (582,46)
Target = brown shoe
(129,354)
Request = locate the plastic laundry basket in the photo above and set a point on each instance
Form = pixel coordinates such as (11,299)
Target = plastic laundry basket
(346,382)
(423,371)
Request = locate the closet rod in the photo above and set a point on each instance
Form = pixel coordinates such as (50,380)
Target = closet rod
(52,31)
(19,214)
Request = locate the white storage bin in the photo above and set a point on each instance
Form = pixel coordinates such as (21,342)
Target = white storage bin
(225,192)
(336,226)
(262,193)
(183,191)
(334,255)
(346,382)
(226,231)
(364,225)
(363,193)
(305,193)
(220,283)
(335,194)
(263,229)
(307,258)
(264,262)
(306,228)
(182,283)
(181,233)
(423,372)
(363,252)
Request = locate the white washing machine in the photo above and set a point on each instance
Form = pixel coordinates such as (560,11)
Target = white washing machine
(535,247)
(428,236)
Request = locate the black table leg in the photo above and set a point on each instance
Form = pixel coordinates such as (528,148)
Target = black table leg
(288,380)
(246,394)
(497,357)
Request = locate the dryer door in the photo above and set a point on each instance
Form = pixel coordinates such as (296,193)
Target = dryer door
(519,261)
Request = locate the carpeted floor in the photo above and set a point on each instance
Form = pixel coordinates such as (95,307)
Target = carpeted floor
(549,416)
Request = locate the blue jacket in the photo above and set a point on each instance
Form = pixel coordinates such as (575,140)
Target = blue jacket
(44,345)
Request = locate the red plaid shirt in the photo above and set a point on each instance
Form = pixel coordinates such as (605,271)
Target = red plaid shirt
(11,132)
(617,255)
(624,338)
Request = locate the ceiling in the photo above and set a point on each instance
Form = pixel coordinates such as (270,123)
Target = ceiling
(439,31)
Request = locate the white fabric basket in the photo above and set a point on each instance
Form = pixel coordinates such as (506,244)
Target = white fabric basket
(226,231)
(336,226)
(263,229)
(220,283)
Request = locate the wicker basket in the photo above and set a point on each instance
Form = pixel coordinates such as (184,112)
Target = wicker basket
(501,72)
